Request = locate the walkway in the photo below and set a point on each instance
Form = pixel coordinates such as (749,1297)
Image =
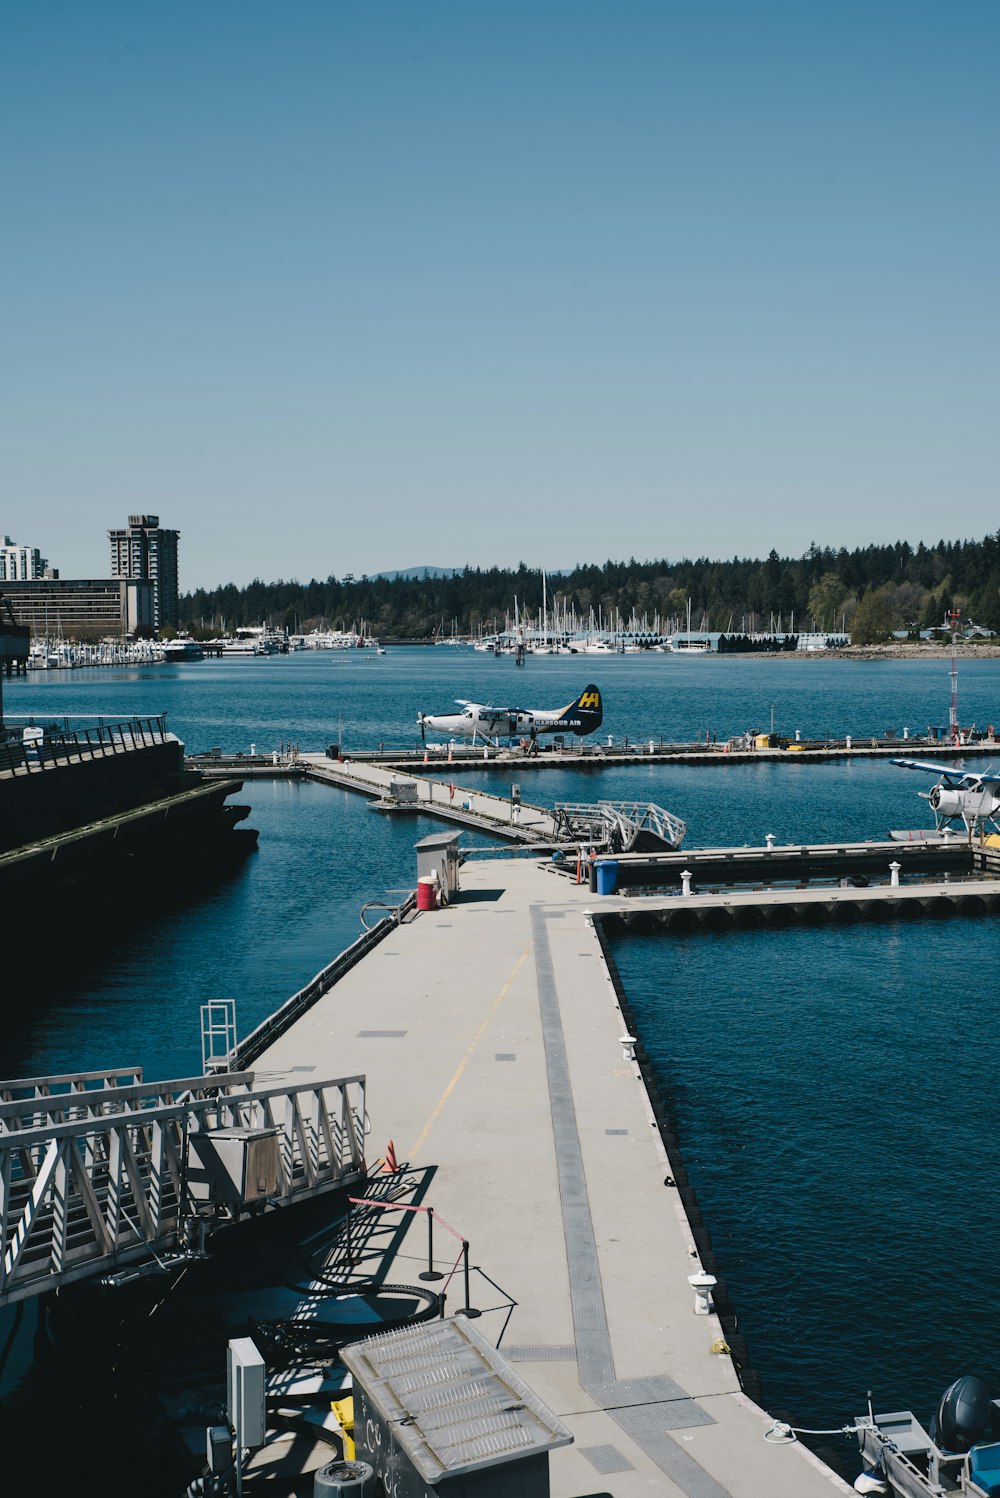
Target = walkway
(481,810)
(491,1038)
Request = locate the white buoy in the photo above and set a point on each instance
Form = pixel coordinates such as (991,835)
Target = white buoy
(702,1284)
(685,881)
(894,869)
(769,839)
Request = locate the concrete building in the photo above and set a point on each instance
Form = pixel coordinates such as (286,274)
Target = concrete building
(20,563)
(143,550)
(82,608)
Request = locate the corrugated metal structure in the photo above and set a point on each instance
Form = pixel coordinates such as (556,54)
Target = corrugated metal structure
(437,1403)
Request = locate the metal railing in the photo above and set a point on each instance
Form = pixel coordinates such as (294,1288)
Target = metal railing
(18,1115)
(616,826)
(57,745)
(89,1195)
(68,1082)
(268,1031)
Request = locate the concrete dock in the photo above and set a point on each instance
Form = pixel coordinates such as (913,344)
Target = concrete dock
(491,1037)
(481,810)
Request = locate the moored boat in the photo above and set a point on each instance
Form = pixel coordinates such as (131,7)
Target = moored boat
(960,1453)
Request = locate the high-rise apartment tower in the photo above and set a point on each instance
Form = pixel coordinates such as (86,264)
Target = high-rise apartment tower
(143,550)
(20,563)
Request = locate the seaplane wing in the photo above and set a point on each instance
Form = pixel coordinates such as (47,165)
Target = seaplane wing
(479,720)
(950,772)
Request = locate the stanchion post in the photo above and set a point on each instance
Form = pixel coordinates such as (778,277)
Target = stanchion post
(347,1235)
(430,1273)
(468,1309)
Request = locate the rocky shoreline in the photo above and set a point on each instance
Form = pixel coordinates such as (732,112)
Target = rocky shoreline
(896,650)
(919,650)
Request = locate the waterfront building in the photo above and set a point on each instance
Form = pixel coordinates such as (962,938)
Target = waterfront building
(82,608)
(142,550)
(20,563)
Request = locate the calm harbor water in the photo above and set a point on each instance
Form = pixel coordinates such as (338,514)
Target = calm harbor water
(832,1087)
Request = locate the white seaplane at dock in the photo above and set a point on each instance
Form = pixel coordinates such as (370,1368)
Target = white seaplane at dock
(960,796)
(488,723)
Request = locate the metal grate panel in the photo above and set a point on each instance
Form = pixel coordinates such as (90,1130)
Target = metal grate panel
(541,1352)
(607,1459)
(625,1400)
(668,1406)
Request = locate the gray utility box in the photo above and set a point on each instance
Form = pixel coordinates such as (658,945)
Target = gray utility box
(438,1410)
(233,1167)
(438,854)
(246,1399)
(404,791)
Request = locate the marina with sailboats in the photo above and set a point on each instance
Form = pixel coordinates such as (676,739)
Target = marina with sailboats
(859,797)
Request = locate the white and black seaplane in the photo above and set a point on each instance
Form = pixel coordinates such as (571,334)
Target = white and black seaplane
(490,724)
(960,796)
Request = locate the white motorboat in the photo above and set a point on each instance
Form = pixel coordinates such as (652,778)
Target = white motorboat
(183,648)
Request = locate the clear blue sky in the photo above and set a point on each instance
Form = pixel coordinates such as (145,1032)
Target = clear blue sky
(338,287)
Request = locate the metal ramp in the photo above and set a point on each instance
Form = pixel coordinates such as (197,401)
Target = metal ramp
(96,1177)
(619,826)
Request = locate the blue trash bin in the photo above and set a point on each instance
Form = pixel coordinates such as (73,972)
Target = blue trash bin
(607,876)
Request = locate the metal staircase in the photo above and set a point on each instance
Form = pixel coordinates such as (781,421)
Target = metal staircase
(619,826)
(102,1179)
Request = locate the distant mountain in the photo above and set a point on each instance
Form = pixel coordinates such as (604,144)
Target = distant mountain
(414,574)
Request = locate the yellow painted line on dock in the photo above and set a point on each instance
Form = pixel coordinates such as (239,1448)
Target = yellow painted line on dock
(439,1106)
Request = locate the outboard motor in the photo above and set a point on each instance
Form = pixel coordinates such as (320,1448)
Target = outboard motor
(963,1416)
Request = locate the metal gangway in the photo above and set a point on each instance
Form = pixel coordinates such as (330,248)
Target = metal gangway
(102,1174)
(619,826)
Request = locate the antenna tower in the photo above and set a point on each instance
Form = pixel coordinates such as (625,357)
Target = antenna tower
(953,730)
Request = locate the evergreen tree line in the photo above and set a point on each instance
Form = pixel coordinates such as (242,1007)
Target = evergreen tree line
(872,590)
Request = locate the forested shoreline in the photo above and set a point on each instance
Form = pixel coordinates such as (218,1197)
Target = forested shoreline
(872,590)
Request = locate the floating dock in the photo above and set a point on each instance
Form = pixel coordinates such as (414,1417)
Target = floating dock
(595,756)
(492,1037)
(797,864)
(417,789)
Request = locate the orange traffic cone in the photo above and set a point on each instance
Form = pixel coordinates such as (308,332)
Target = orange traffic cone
(390,1159)
(450,755)
(426,758)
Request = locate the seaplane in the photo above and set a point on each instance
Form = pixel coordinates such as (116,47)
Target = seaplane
(960,796)
(483,721)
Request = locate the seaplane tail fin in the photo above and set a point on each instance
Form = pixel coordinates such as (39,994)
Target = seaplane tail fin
(583,715)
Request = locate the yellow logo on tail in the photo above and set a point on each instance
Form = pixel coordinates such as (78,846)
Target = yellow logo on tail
(590,699)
